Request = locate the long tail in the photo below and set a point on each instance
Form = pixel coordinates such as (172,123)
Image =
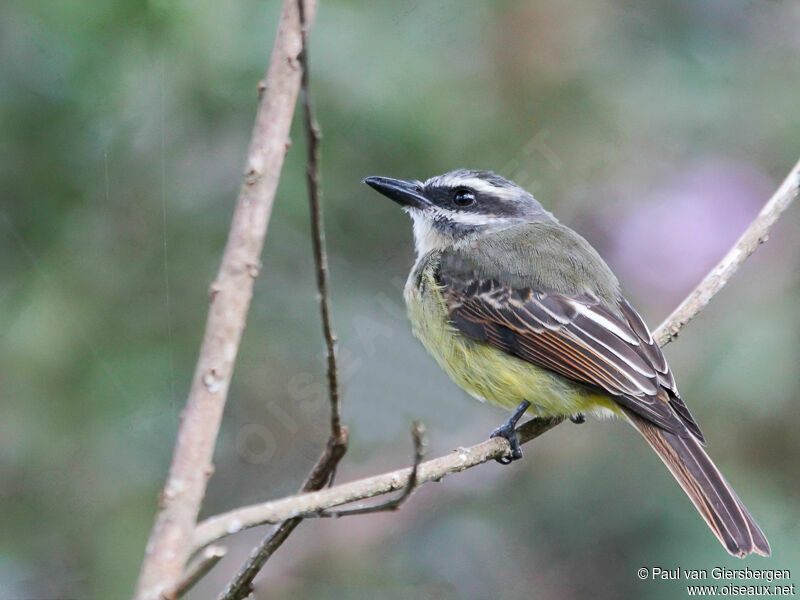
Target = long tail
(708,490)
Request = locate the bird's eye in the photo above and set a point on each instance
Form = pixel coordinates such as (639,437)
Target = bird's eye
(463,197)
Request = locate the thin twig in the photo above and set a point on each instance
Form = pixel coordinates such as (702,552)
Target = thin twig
(418,437)
(325,469)
(241,584)
(308,505)
(276,511)
(231,292)
(317,229)
(196,570)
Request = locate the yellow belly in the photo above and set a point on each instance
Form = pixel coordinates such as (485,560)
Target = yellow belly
(490,374)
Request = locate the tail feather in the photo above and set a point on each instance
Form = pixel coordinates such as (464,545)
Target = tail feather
(708,490)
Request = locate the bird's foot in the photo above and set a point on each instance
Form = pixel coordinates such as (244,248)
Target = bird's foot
(578,419)
(508,431)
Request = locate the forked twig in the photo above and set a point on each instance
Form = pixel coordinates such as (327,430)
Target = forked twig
(241,584)
(418,436)
(196,570)
(167,549)
(324,470)
(311,504)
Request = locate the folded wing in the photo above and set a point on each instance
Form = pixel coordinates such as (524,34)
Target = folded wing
(576,337)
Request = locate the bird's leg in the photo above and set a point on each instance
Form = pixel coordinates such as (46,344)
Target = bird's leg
(508,431)
(578,419)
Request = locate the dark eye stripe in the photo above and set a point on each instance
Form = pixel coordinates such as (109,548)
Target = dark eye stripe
(483,203)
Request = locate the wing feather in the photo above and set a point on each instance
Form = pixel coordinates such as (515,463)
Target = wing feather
(578,338)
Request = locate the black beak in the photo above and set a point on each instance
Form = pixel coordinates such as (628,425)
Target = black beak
(405,193)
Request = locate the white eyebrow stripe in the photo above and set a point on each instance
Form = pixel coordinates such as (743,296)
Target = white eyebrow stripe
(604,322)
(474,183)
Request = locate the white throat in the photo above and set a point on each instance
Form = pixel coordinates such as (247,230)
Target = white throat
(428,237)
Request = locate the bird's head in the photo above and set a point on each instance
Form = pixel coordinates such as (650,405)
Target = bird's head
(460,206)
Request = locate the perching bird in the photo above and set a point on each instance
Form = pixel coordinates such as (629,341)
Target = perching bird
(521,311)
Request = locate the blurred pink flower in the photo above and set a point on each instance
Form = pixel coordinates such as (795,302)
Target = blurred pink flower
(663,246)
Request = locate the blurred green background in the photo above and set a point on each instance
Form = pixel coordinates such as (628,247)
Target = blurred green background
(655,128)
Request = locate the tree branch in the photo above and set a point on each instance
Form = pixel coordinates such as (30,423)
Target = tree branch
(231,292)
(755,235)
(311,504)
(418,437)
(325,469)
(317,229)
(198,569)
(241,584)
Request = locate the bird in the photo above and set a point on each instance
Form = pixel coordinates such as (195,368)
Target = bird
(522,312)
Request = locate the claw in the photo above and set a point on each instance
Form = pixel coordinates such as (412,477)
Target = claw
(508,431)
